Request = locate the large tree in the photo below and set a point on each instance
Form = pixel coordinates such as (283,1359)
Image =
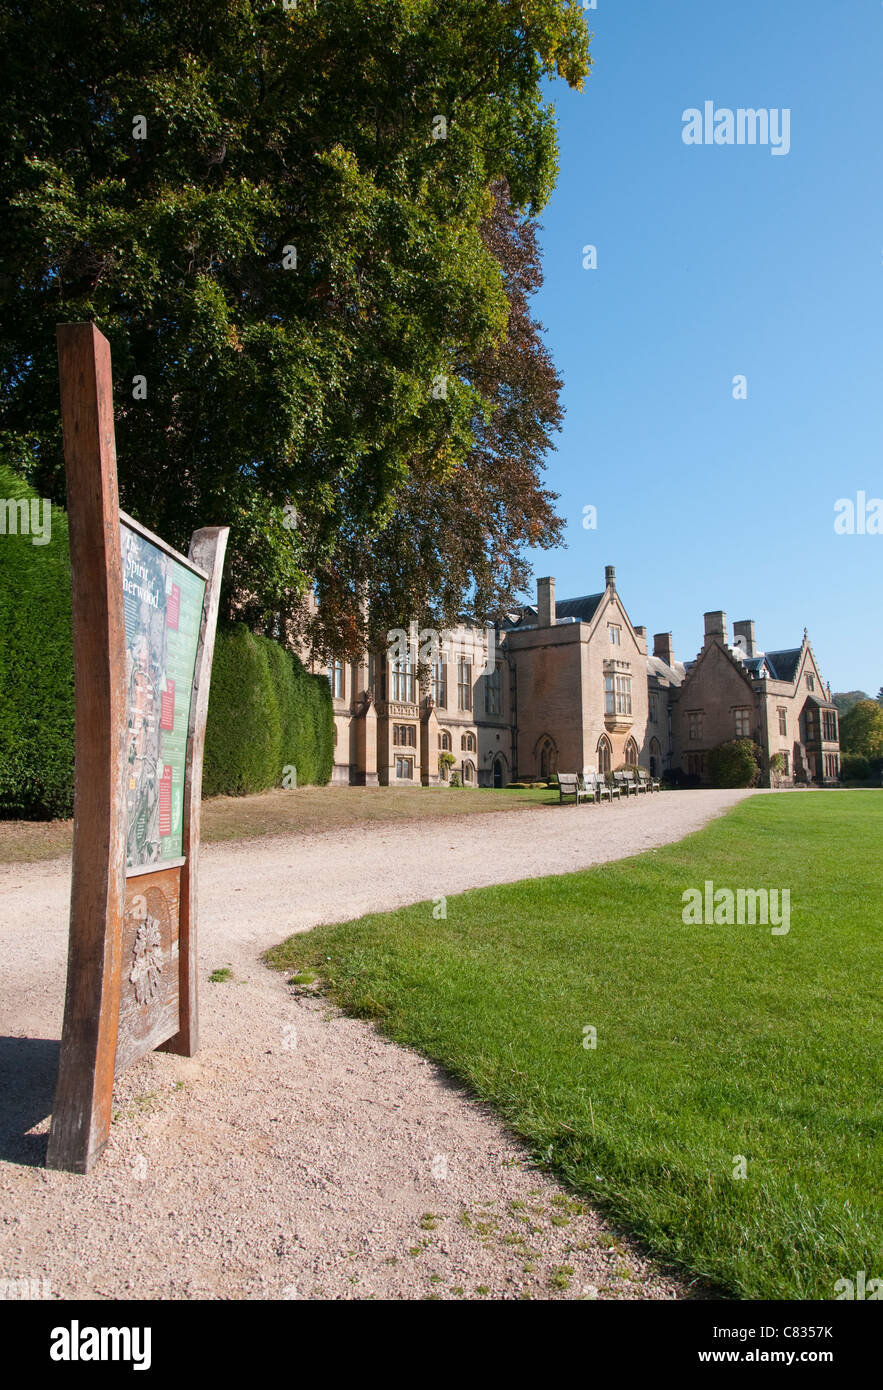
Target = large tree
(456,542)
(262,209)
(861,730)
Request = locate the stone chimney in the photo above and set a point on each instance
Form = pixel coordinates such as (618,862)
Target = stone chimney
(641,634)
(663,647)
(716,626)
(546,602)
(609,577)
(745,630)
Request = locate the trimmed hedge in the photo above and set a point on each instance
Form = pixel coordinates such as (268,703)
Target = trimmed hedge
(36,669)
(266,713)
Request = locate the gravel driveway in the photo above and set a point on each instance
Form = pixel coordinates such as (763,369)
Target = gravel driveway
(300,1155)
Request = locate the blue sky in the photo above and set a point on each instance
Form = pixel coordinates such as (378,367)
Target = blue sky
(712,262)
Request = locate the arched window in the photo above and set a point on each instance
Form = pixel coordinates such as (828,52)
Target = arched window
(605,756)
(468,772)
(444,741)
(631,753)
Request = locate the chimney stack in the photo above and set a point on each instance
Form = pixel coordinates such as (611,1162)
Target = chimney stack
(609,577)
(663,647)
(745,630)
(546,602)
(716,626)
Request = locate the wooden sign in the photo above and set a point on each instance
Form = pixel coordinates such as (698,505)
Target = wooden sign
(144,621)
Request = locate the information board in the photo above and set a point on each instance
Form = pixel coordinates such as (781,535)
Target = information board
(163,610)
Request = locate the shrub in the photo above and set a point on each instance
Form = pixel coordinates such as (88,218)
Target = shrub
(36,669)
(854,768)
(734,764)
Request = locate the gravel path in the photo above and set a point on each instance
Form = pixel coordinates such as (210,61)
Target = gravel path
(299,1154)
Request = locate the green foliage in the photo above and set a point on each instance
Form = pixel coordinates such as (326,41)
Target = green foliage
(36,669)
(445,763)
(265,710)
(266,713)
(845,700)
(268,130)
(861,730)
(854,768)
(734,764)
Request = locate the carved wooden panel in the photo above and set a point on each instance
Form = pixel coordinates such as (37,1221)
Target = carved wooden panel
(149,984)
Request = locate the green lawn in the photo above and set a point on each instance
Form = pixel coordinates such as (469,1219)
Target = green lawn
(713,1042)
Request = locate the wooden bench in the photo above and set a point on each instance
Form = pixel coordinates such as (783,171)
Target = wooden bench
(649,784)
(596,787)
(569,785)
(627,782)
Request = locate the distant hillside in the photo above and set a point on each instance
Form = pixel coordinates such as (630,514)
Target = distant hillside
(846,700)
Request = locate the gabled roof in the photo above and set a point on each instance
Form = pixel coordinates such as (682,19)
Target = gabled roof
(582,609)
(784,664)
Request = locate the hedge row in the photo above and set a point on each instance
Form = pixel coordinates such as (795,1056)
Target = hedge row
(266,712)
(36,666)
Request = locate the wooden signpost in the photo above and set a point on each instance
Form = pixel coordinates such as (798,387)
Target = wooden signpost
(144,620)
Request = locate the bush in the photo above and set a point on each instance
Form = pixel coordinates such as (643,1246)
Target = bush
(854,768)
(735,764)
(266,713)
(36,669)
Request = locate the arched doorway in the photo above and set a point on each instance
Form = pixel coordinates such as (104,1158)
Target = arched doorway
(548,759)
(655,758)
(499,771)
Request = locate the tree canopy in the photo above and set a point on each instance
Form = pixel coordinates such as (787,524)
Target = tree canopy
(287,221)
(861,730)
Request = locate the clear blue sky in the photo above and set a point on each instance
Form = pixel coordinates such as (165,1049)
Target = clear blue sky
(712,262)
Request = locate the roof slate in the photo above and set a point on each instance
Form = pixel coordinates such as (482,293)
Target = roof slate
(583,609)
(784,664)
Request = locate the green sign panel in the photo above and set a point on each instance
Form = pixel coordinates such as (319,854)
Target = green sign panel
(163,605)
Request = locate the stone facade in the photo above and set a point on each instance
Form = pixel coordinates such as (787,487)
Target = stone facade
(572,685)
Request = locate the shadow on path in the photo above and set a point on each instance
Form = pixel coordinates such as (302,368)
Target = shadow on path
(28,1069)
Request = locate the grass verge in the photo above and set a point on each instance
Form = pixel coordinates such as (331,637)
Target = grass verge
(718,1049)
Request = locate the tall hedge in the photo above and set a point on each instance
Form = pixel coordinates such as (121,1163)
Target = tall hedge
(266,713)
(265,710)
(36,668)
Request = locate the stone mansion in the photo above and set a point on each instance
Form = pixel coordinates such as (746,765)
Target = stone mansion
(573,684)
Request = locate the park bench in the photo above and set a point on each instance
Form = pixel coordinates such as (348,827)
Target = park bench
(569,785)
(627,782)
(649,784)
(596,787)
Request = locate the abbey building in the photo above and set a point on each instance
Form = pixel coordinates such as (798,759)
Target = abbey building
(572,685)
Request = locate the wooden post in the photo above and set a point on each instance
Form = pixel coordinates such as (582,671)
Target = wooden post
(144,621)
(82,1110)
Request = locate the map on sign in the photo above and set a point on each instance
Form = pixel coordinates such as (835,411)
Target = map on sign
(163,605)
